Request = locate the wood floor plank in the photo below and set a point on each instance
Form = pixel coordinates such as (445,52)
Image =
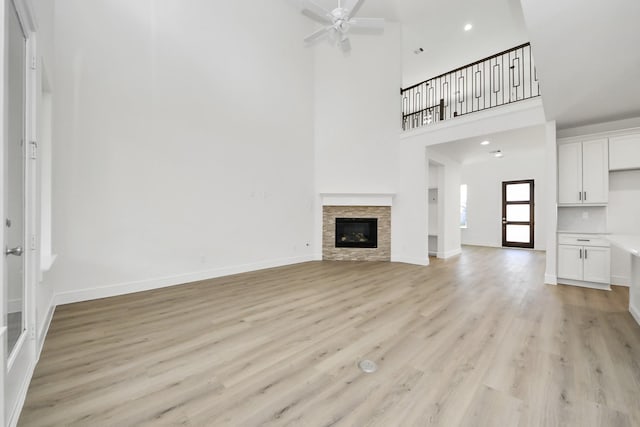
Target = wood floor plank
(477,339)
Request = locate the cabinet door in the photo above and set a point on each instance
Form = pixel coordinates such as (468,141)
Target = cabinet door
(570,262)
(597,264)
(595,171)
(570,173)
(624,152)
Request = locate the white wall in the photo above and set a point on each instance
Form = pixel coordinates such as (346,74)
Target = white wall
(357,113)
(623,218)
(484,199)
(184,142)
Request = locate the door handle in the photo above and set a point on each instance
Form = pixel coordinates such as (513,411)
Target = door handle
(17,251)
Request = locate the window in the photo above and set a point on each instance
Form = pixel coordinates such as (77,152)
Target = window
(463,206)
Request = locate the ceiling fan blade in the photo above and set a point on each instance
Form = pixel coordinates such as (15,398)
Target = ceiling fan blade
(367,23)
(317,35)
(353,6)
(316,12)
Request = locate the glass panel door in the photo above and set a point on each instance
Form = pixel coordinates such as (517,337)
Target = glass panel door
(14,167)
(517,213)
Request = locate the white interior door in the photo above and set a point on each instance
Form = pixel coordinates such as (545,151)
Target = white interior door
(18,343)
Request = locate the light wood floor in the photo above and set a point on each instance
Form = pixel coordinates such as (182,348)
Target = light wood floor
(476,340)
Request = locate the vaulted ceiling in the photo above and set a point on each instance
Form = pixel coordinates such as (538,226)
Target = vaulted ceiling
(585,52)
(588,58)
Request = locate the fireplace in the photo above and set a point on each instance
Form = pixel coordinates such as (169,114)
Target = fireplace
(356,233)
(339,244)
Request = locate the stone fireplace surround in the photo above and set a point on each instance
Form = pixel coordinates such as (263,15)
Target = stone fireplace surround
(356,205)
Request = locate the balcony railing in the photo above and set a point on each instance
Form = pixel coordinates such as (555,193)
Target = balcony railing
(504,78)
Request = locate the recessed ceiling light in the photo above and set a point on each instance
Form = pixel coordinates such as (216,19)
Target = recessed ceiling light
(468,27)
(485,143)
(497,154)
(418,51)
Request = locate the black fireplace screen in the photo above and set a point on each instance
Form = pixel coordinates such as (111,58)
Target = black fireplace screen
(356,232)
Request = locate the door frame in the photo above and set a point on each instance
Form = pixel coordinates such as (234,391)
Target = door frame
(19,366)
(530,223)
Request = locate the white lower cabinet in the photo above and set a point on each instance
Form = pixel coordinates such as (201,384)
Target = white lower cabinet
(583,259)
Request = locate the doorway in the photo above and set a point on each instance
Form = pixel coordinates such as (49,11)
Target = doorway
(517,214)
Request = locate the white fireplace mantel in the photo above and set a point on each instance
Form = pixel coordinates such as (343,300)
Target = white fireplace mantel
(357,199)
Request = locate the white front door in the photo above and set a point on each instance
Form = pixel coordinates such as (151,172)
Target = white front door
(18,343)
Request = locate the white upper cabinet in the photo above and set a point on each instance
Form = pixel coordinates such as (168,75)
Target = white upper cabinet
(570,173)
(583,172)
(595,171)
(624,152)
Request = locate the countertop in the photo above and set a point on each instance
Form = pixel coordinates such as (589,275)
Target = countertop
(628,242)
(584,232)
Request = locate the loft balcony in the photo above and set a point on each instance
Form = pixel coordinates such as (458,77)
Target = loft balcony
(501,79)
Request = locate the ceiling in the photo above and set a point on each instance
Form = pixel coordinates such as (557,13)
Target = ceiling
(585,52)
(514,143)
(587,58)
(437,27)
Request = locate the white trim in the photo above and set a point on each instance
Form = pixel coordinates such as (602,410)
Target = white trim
(591,285)
(635,313)
(501,110)
(621,280)
(46,262)
(3,359)
(14,306)
(357,199)
(550,279)
(22,395)
(44,328)
(449,254)
(410,260)
(27,16)
(88,294)
(603,130)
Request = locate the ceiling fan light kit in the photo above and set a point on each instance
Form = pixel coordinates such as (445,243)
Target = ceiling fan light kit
(338,22)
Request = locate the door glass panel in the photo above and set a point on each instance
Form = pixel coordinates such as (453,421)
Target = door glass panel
(518,233)
(518,213)
(14,150)
(518,192)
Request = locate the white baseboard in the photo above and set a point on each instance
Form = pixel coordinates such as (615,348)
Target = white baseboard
(22,396)
(635,312)
(591,285)
(433,253)
(410,260)
(44,328)
(162,282)
(621,280)
(550,279)
(449,254)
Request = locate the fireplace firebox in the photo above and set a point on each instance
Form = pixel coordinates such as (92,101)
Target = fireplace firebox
(356,232)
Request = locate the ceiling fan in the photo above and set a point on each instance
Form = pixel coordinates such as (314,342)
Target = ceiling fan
(339,21)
